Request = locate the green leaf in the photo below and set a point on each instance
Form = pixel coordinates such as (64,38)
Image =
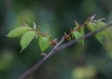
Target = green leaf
(81,30)
(99,37)
(99,20)
(78,35)
(18,31)
(44,43)
(93,27)
(27,38)
(101,24)
(106,32)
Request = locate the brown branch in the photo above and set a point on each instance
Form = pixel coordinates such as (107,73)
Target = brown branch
(67,36)
(56,49)
(80,27)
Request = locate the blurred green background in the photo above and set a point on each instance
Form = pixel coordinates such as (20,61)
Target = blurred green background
(91,61)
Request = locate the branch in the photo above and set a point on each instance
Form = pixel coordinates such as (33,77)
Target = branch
(86,36)
(38,64)
(56,49)
(67,36)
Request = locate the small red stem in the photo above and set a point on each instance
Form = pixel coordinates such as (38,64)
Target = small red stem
(41,34)
(76,29)
(79,27)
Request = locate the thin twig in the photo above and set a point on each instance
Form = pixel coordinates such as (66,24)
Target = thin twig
(37,65)
(67,36)
(80,27)
(58,48)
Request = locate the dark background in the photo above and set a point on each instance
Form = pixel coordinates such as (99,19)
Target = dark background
(90,61)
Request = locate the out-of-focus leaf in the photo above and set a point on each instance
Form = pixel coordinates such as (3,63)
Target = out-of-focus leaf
(92,17)
(93,27)
(101,24)
(81,31)
(107,32)
(101,19)
(78,35)
(27,38)
(86,72)
(76,23)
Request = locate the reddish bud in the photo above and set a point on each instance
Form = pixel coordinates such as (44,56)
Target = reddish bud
(43,54)
(54,42)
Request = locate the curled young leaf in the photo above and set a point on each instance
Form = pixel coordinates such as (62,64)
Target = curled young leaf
(76,23)
(27,38)
(34,26)
(92,17)
(18,31)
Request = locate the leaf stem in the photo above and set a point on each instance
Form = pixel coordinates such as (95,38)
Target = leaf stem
(41,34)
(67,36)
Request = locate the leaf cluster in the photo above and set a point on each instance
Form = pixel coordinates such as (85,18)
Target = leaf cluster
(92,25)
(28,34)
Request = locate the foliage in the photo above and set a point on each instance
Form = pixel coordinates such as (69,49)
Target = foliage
(45,40)
(93,27)
(27,38)
(44,43)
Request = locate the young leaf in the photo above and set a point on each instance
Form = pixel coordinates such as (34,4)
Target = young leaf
(44,43)
(99,37)
(108,33)
(81,30)
(34,26)
(93,27)
(99,20)
(88,20)
(18,31)
(76,23)
(92,17)
(78,35)
(27,38)
(101,24)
